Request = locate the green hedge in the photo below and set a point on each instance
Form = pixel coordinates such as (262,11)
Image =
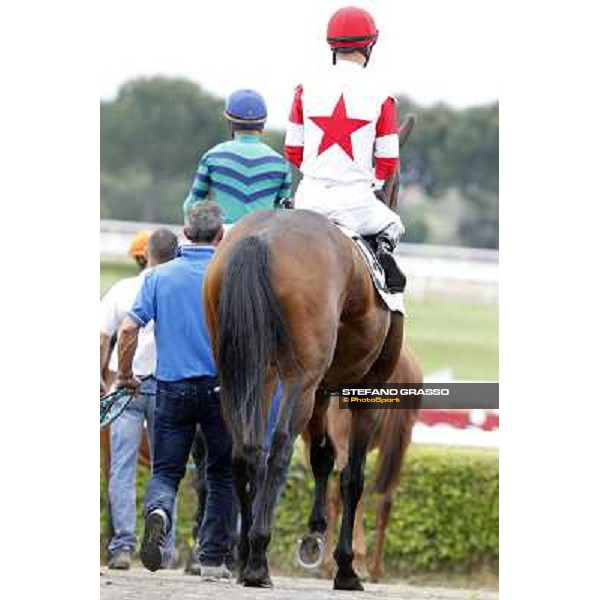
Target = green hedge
(445,515)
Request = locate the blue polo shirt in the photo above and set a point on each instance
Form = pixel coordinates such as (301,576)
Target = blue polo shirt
(171,296)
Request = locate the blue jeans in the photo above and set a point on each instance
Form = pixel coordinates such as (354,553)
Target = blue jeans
(180,406)
(273,414)
(125,438)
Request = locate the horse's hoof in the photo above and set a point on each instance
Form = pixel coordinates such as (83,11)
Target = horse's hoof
(348,583)
(256,578)
(263,582)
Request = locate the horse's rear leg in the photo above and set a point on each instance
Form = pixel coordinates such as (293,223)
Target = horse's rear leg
(321,462)
(384,507)
(334,503)
(295,411)
(352,486)
(243,481)
(313,545)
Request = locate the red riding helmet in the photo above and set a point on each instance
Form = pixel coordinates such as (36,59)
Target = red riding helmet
(351,27)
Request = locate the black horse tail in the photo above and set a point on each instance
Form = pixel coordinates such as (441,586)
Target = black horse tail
(253,338)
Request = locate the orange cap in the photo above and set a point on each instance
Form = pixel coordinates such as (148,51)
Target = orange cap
(139,244)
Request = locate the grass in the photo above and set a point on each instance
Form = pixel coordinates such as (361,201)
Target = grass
(454,334)
(444,333)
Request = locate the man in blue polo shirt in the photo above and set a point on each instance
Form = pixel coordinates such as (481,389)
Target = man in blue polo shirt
(187,394)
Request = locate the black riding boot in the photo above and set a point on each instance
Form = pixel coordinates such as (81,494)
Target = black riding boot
(395,279)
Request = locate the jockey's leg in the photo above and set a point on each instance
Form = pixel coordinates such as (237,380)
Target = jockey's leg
(372,217)
(386,242)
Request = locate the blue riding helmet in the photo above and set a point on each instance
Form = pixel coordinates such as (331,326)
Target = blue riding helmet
(246,107)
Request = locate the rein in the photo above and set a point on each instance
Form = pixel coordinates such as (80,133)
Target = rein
(109,400)
(106,404)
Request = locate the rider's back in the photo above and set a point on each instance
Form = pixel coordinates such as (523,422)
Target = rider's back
(345,100)
(244,174)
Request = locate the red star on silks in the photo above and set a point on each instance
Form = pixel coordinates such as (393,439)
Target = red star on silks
(337,128)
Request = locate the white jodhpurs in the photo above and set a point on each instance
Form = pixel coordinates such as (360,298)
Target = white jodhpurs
(354,206)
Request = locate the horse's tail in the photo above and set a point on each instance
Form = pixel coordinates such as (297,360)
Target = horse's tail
(253,337)
(395,438)
(396,432)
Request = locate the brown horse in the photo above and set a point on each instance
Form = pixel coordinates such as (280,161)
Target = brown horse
(392,429)
(288,296)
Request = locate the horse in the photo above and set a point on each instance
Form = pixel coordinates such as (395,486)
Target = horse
(392,429)
(288,297)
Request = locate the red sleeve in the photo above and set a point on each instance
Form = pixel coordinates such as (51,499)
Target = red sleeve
(294,139)
(387,159)
(388,119)
(386,167)
(295,154)
(296,112)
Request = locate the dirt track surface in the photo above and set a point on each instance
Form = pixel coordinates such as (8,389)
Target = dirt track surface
(138,584)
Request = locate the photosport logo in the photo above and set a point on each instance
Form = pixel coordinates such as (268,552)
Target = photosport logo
(425,395)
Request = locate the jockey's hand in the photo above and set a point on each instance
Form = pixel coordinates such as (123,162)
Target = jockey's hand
(130,383)
(103,388)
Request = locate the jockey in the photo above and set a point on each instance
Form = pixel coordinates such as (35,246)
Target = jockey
(336,124)
(244,174)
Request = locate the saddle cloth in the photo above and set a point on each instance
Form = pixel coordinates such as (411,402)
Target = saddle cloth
(395,302)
